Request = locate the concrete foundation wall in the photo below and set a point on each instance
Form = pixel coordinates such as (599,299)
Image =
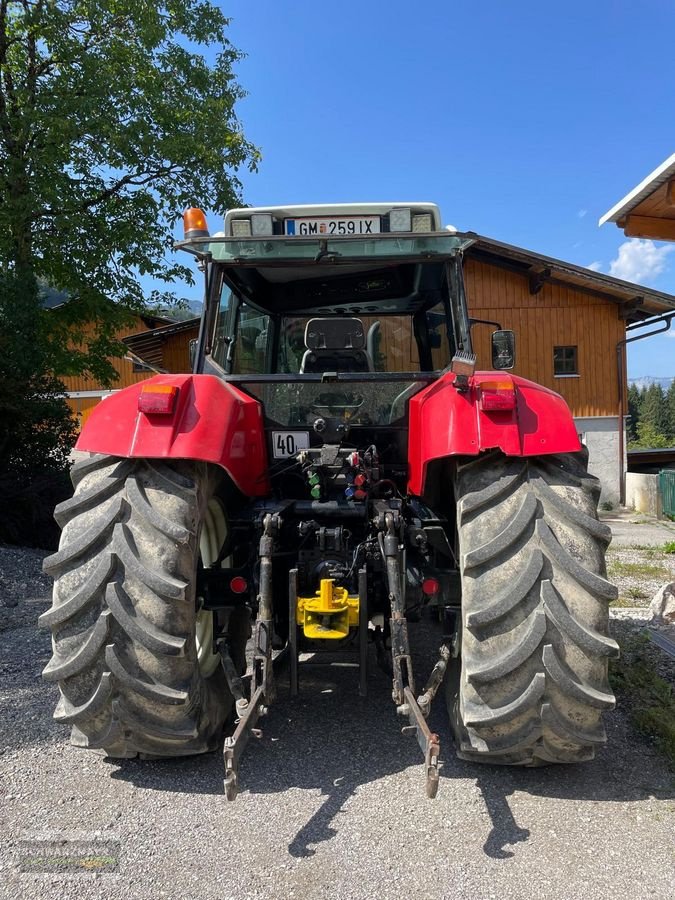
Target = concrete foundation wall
(601,436)
(643,494)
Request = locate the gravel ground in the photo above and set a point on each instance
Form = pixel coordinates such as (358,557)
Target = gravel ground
(639,572)
(333,802)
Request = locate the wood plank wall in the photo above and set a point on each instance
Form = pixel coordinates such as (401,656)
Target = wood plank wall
(122,366)
(556,316)
(176,350)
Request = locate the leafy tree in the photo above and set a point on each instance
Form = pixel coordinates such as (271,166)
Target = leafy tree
(37,428)
(36,425)
(111,122)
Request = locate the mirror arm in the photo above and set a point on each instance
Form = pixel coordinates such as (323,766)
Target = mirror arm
(473,322)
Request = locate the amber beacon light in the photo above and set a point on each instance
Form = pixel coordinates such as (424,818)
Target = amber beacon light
(194,223)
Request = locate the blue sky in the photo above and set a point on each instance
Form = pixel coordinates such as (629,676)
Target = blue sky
(524,121)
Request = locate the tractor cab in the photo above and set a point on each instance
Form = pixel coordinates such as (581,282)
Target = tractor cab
(332,318)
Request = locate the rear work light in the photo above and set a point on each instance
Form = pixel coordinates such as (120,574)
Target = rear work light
(261,225)
(241,228)
(400,220)
(496,396)
(422,224)
(157,399)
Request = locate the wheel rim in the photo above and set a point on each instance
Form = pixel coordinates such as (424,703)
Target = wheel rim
(211,539)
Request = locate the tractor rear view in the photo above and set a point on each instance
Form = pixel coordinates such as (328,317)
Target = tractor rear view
(333,467)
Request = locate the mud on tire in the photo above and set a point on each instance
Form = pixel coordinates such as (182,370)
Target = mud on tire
(124,614)
(535,642)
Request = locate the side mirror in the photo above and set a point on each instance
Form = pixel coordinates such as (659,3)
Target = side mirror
(503,349)
(192,350)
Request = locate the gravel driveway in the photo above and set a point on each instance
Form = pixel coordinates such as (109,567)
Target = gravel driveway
(333,802)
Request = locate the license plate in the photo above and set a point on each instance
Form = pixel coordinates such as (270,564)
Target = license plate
(332,227)
(288,443)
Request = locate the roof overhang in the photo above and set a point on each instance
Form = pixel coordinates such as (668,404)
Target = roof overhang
(648,211)
(636,302)
(148,345)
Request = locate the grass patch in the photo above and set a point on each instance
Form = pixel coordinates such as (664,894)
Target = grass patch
(623,602)
(649,698)
(669,547)
(636,569)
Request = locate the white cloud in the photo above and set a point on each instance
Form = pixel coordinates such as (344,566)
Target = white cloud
(639,260)
(595,266)
(582,213)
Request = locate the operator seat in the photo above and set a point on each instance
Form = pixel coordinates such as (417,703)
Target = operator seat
(335,345)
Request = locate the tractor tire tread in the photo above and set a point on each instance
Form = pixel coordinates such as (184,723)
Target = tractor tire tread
(123,613)
(535,630)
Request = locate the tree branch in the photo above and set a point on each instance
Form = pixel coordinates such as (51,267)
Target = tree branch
(133,179)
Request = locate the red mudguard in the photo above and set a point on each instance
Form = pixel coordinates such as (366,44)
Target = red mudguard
(447,422)
(211,421)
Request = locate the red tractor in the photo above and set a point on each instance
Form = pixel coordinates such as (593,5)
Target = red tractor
(333,465)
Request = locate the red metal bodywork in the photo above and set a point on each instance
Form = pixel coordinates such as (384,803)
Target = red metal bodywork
(215,422)
(447,422)
(212,421)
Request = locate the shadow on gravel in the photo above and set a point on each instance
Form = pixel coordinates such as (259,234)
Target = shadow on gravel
(330,739)
(627,769)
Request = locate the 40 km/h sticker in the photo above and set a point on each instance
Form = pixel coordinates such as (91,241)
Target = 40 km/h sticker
(288,443)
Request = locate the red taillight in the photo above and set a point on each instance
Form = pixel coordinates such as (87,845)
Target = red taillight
(430,586)
(497,395)
(157,399)
(238,585)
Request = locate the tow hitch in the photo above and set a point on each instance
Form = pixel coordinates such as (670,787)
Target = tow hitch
(332,612)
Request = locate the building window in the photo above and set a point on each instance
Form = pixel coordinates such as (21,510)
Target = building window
(565,361)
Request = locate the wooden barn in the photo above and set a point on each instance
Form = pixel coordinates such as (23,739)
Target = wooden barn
(85,393)
(570,324)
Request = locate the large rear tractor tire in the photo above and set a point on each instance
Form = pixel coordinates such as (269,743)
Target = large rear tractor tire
(535,638)
(132,653)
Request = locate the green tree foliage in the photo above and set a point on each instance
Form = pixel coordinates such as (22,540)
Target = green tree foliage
(36,428)
(112,121)
(652,417)
(649,437)
(653,410)
(670,403)
(634,404)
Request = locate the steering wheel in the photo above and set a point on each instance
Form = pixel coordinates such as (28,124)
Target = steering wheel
(336,404)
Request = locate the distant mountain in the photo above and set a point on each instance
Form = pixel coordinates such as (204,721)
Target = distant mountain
(188,310)
(644,381)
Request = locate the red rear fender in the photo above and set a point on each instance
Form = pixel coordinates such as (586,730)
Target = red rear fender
(445,422)
(211,421)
